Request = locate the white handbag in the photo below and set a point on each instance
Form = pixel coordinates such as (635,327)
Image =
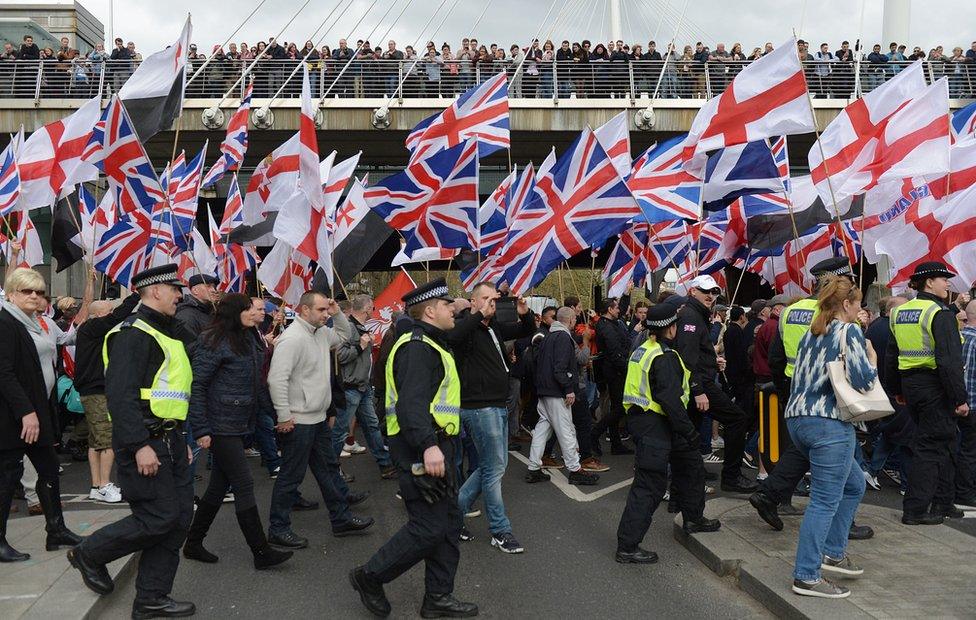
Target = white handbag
(855,406)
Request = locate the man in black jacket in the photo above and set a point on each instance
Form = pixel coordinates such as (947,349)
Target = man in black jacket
(556,379)
(477,340)
(196,310)
(613,346)
(696,349)
(90,383)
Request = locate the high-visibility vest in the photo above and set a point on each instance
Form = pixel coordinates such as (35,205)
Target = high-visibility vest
(794,323)
(169,394)
(911,324)
(446,405)
(637,387)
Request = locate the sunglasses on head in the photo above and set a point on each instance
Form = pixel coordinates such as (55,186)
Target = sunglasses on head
(36,291)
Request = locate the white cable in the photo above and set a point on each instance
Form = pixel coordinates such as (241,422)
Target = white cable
(226,41)
(667,56)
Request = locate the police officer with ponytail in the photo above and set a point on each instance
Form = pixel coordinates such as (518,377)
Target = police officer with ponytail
(925,371)
(656,394)
(147,387)
(423,408)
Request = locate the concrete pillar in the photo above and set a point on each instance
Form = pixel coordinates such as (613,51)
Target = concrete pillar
(896,23)
(616,32)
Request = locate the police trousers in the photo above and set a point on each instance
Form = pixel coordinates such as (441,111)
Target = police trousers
(430,535)
(657,446)
(932,473)
(162,508)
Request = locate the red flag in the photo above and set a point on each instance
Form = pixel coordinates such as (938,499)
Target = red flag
(388,302)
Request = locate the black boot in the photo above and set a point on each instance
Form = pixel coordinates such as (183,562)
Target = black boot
(446,606)
(265,556)
(58,535)
(202,519)
(8,553)
(162,607)
(370,592)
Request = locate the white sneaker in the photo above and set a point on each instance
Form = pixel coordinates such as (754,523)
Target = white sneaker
(107,494)
(872,481)
(354,448)
(472,514)
(712,458)
(344,454)
(762,475)
(717,443)
(252,453)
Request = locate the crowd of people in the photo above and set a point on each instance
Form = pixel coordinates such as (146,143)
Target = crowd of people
(164,375)
(543,69)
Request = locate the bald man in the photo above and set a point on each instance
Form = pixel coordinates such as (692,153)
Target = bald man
(90,383)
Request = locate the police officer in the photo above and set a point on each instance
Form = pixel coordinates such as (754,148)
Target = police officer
(656,394)
(693,342)
(924,370)
(776,491)
(423,407)
(147,386)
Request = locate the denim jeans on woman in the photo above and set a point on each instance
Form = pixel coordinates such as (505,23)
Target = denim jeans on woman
(836,488)
(488,429)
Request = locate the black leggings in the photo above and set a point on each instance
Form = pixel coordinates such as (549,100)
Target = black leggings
(44,459)
(229,470)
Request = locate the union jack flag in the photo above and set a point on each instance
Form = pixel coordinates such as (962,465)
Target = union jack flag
(234,146)
(964,122)
(436,199)
(781,156)
(481,113)
(124,161)
(663,188)
(9,181)
(234,260)
(123,249)
(583,202)
(183,186)
(492,216)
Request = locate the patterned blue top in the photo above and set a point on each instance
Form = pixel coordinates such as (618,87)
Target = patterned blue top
(969,362)
(811,393)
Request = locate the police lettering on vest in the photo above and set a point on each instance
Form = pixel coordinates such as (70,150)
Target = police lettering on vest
(794,323)
(169,394)
(637,388)
(446,405)
(911,324)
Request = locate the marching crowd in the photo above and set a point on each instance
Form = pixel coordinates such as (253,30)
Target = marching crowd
(565,68)
(459,382)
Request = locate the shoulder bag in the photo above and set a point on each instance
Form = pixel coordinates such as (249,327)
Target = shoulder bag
(855,406)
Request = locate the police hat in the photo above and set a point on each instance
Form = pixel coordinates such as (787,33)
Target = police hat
(661,315)
(435,289)
(202,278)
(931,269)
(163,274)
(837,266)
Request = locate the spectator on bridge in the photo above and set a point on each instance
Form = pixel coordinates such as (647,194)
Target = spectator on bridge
(767,48)
(825,61)
(875,72)
(530,70)
(756,54)
(29,49)
(342,55)
(121,66)
(564,68)
(698,69)
(718,69)
(247,52)
(545,69)
(432,69)
(393,57)
(957,74)
(896,56)
(449,76)
(599,59)
(736,61)
(686,75)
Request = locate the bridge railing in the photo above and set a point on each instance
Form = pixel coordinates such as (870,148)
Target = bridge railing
(555,81)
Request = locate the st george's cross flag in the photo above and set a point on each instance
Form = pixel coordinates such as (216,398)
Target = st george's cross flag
(767,98)
(286,273)
(153,94)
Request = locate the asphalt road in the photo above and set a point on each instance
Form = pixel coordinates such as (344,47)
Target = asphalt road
(567,569)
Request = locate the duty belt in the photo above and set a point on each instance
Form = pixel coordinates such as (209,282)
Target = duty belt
(162,427)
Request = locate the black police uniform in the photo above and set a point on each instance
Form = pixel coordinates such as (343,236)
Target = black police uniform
(431,534)
(161,505)
(660,440)
(695,346)
(932,396)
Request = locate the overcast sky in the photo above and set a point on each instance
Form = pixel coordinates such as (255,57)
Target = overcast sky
(152,24)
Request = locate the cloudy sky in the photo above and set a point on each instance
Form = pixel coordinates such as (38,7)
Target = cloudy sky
(152,23)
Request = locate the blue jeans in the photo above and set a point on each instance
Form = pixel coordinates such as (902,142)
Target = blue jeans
(835,491)
(309,446)
(194,448)
(488,429)
(361,405)
(264,438)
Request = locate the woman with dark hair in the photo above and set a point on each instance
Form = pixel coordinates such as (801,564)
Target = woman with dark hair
(28,411)
(228,389)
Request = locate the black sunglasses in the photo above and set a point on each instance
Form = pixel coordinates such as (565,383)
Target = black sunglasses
(37,291)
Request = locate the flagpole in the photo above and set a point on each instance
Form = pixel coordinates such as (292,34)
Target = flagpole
(575,283)
(343,286)
(559,279)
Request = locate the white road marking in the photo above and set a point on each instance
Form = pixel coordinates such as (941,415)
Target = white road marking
(571,490)
(82,498)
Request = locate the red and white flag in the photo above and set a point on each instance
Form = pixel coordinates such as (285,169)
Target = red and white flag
(50,160)
(31,252)
(286,273)
(273,183)
(767,98)
(334,181)
(199,259)
(352,211)
(614,137)
(914,141)
(388,302)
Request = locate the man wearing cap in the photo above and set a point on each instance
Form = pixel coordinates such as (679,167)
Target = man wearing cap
(925,371)
(693,343)
(776,492)
(656,394)
(147,387)
(196,310)
(423,418)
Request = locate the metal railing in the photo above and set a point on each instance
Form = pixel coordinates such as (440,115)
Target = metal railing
(676,79)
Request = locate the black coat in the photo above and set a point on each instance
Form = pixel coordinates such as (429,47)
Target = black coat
(613,343)
(194,315)
(228,389)
(556,372)
(22,388)
(694,344)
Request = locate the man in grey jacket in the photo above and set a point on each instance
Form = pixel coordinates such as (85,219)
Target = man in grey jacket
(301,393)
(355,358)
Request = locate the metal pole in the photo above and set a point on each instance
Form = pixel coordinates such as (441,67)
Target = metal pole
(111,24)
(615,29)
